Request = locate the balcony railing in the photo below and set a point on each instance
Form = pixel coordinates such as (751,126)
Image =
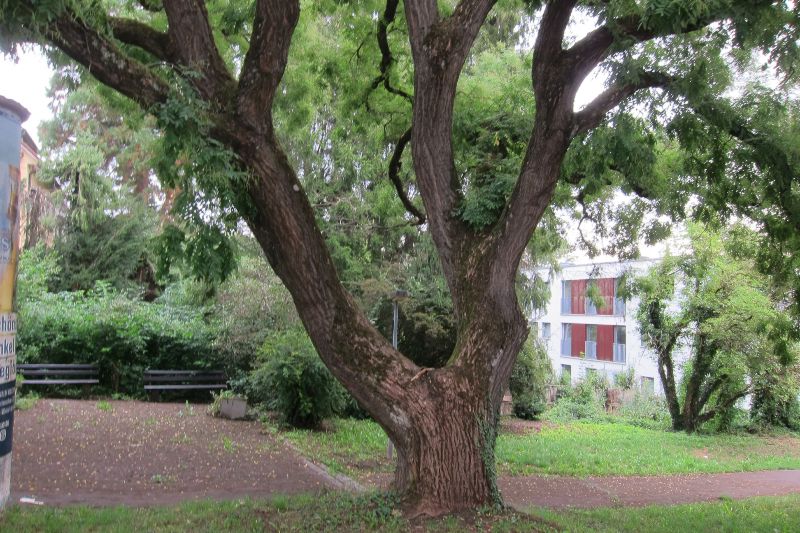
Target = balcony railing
(619,353)
(591,350)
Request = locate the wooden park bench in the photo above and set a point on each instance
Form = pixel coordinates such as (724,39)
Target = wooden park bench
(58,374)
(158,381)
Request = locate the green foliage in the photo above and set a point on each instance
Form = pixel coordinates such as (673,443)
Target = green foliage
(37,270)
(292,380)
(109,248)
(569,409)
(426,329)
(122,336)
(776,402)
(625,380)
(645,410)
(740,334)
(530,376)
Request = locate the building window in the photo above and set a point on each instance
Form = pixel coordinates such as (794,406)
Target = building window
(590,349)
(575,297)
(619,344)
(566,339)
(545,330)
(566,298)
(566,373)
(648,385)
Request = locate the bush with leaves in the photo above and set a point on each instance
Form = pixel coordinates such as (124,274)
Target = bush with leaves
(585,401)
(645,410)
(293,381)
(776,402)
(529,379)
(121,335)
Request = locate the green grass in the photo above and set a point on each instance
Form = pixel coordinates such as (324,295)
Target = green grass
(775,514)
(578,449)
(105,406)
(353,447)
(375,512)
(28,401)
(585,449)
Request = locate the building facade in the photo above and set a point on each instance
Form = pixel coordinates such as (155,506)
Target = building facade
(37,213)
(588,327)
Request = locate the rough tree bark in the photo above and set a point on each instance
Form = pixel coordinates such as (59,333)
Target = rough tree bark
(442,421)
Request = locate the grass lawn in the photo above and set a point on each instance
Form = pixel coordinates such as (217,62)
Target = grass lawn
(343,512)
(357,448)
(599,449)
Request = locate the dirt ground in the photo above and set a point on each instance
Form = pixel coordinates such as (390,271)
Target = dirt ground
(136,453)
(141,453)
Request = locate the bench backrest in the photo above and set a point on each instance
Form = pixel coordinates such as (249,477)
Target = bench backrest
(184,376)
(58,374)
(45,370)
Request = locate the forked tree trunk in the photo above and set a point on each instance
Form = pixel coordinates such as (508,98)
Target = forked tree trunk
(446,460)
(442,421)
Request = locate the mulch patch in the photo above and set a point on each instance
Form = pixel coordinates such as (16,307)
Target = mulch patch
(141,453)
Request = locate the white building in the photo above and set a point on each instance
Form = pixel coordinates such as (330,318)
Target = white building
(582,338)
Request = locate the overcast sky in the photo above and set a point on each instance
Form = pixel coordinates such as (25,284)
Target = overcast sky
(26,82)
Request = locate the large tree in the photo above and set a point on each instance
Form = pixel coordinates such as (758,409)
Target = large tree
(212,73)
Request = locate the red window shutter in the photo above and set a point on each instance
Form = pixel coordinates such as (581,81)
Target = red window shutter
(606,286)
(579,297)
(578,339)
(605,343)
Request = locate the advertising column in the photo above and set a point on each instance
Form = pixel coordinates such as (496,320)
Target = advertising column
(12,115)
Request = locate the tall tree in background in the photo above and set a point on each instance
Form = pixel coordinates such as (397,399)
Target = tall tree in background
(212,73)
(714,306)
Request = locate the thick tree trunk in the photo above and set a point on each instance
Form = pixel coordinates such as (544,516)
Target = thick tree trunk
(447,461)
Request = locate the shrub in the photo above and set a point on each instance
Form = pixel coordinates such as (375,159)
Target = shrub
(569,410)
(591,389)
(646,410)
(121,335)
(529,378)
(625,380)
(776,404)
(293,381)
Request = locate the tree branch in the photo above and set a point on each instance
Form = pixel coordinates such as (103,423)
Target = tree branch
(387,59)
(85,44)
(550,37)
(439,49)
(625,32)
(395,164)
(266,58)
(708,415)
(594,112)
(141,35)
(193,47)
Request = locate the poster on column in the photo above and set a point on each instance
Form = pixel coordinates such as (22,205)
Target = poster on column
(8,376)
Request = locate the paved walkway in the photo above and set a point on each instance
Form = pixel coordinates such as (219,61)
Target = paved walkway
(556,491)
